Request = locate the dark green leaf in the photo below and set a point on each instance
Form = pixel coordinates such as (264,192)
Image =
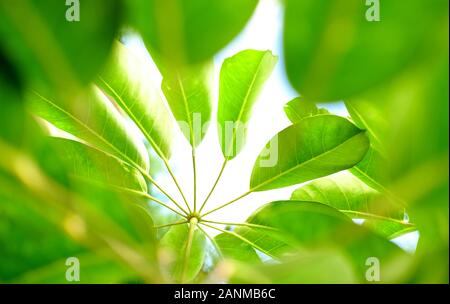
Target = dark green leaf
(46,46)
(186,32)
(307,225)
(333,51)
(311,268)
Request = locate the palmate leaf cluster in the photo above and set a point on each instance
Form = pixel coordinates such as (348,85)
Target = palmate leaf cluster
(90,189)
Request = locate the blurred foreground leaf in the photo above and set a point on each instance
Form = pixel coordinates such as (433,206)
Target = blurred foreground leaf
(333,50)
(188,32)
(45,46)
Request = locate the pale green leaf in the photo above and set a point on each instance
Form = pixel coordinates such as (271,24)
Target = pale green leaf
(373,170)
(299,108)
(348,194)
(185,267)
(315,147)
(234,248)
(388,228)
(367,116)
(92,118)
(92,165)
(351,196)
(189,96)
(241,79)
(128,81)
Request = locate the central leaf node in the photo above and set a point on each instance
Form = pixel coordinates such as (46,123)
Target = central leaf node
(193,217)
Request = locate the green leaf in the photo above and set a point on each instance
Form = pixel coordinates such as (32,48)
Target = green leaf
(314,267)
(92,118)
(48,232)
(270,243)
(51,213)
(326,68)
(187,32)
(127,80)
(95,269)
(91,165)
(113,187)
(367,116)
(41,242)
(232,247)
(299,108)
(373,170)
(309,225)
(304,222)
(241,79)
(388,228)
(349,195)
(41,254)
(189,97)
(315,147)
(46,46)
(185,267)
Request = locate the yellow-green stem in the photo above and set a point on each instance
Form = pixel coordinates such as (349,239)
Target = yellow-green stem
(215,184)
(192,224)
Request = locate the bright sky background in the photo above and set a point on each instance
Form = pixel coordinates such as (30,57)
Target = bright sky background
(263,32)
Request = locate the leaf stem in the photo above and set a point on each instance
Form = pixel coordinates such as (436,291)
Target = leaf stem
(194,169)
(215,184)
(226,204)
(170,225)
(240,224)
(150,179)
(152,198)
(192,223)
(166,163)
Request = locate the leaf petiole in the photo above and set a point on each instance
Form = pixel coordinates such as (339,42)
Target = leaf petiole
(226,204)
(215,184)
(170,225)
(240,224)
(192,224)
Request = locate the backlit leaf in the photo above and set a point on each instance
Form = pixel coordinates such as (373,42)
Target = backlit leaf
(315,147)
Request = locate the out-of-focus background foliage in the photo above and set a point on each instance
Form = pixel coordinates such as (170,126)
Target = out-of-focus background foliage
(392,76)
